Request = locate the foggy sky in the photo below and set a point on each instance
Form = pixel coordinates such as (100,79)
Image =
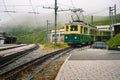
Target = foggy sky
(91,7)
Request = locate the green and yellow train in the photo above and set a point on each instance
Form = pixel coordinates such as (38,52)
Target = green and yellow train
(80,33)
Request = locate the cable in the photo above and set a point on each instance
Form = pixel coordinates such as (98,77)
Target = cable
(65,5)
(33,11)
(32,5)
(105,9)
(23,5)
(16,12)
(7,9)
(72,3)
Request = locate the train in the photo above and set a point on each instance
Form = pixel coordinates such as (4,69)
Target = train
(80,33)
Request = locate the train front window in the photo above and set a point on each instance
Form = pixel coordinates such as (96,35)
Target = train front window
(67,27)
(73,28)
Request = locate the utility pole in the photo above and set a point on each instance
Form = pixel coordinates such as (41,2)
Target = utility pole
(55,26)
(112,16)
(56,8)
(47,33)
(92,20)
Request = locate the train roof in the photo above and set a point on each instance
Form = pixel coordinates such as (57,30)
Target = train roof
(80,22)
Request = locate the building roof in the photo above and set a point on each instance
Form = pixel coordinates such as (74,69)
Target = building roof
(2,38)
(116,24)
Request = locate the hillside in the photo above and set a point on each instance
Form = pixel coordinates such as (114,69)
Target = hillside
(28,32)
(38,37)
(101,20)
(114,42)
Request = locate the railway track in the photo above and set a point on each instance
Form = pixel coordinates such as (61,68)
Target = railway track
(11,58)
(13,73)
(6,47)
(33,67)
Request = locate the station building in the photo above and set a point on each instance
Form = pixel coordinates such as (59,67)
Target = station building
(105,28)
(59,35)
(2,37)
(116,28)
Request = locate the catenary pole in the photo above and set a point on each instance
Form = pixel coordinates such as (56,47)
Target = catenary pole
(56,8)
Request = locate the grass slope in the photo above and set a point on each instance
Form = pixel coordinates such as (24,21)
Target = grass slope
(38,37)
(114,42)
(52,46)
(101,20)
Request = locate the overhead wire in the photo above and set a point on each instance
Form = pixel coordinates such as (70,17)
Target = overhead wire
(65,5)
(72,3)
(16,12)
(7,10)
(31,5)
(76,12)
(22,5)
(33,11)
(97,12)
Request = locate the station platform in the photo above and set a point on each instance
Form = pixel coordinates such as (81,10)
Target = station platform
(91,64)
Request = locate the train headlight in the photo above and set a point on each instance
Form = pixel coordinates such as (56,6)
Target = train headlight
(75,37)
(66,37)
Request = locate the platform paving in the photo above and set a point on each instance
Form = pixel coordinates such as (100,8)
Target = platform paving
(91,64)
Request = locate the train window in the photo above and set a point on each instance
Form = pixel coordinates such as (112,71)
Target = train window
(67,27)
(85,30)
(81,29)
(73,28)
(91,31)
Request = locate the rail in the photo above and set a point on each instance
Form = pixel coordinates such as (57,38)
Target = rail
(15,71)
